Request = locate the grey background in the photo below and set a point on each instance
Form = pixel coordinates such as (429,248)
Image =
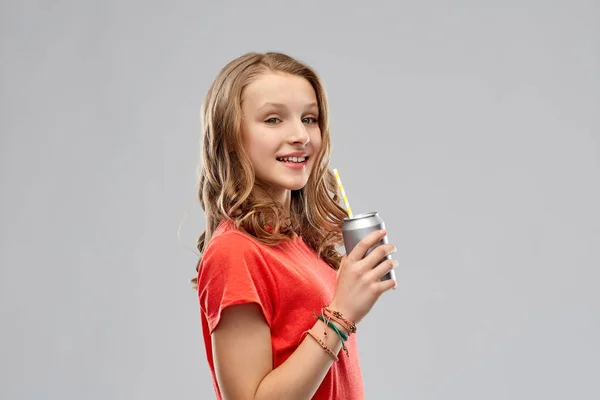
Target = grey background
(472,127)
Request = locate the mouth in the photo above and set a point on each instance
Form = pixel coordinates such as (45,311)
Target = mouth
(293,160)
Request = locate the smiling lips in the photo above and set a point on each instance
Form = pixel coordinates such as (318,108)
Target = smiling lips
(292,159)
(293,162)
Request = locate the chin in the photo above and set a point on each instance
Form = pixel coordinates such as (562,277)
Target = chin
(282,181)
(296,188)
(295,185)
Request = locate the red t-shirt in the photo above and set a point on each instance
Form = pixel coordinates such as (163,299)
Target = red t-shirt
(289,282)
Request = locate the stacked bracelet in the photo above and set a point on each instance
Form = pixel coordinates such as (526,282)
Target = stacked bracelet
(328,317)
(323,345)
(339,318)
(342,336)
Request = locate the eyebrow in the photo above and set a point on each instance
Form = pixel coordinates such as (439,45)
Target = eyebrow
(281,106)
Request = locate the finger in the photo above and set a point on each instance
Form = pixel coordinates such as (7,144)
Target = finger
(384,286)
(359,251)
(378,254)
(382,269)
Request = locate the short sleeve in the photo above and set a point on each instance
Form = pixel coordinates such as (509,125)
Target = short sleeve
(233,271)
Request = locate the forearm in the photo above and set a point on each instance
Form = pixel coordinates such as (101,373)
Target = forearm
(301,374)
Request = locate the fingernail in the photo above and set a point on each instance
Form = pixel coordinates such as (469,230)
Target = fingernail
(395,263)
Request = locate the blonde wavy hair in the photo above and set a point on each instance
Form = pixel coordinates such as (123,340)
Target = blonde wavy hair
(227,182)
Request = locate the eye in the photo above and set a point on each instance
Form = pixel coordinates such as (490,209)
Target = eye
(309,120)
(272,120)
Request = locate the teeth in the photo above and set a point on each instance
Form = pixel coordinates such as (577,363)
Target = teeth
(292,159)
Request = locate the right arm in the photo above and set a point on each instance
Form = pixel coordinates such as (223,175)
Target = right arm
(243,357)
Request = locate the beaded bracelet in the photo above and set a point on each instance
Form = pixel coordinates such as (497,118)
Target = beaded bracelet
(338,317)
(323,345)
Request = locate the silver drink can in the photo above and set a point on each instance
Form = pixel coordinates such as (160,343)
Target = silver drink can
(361,225)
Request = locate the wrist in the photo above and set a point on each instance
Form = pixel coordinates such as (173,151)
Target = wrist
(340,317)
(335,327)
(334,306)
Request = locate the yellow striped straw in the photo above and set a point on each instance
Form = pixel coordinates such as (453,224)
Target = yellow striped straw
(339,182)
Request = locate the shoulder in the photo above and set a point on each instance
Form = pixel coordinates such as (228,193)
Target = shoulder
(227,240)
(230,250)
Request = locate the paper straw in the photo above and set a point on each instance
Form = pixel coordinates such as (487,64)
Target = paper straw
(339,182)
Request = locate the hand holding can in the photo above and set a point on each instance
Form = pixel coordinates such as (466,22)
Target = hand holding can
(357,228)
(359,283)
(366,271)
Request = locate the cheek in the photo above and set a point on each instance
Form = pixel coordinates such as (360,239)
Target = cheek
(263,148)
(316,140)
(254,140)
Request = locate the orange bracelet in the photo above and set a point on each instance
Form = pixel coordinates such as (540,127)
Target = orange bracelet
(323,345)
(339,318)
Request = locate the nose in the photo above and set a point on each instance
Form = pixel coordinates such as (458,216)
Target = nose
(299,135)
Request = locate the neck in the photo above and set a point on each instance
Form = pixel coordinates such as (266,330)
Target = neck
(281,197)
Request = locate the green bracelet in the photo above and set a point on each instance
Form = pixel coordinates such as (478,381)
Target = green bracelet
(332,326)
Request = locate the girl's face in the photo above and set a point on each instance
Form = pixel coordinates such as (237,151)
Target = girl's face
(281,132)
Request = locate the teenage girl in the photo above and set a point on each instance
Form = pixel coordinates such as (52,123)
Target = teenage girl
(279,304)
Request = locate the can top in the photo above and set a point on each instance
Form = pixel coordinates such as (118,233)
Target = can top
(363,221)
(361,216)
